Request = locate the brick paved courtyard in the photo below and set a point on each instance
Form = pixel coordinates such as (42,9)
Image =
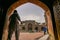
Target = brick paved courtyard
(28,36)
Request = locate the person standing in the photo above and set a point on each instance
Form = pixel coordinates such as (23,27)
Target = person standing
(13,25)
(44,28)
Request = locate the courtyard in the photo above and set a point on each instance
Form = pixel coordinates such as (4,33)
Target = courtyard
(28,36)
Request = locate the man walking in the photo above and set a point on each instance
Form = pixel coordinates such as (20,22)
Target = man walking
(13,25)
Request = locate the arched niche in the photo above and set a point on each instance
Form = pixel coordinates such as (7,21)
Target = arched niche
(37,2)
(29,27)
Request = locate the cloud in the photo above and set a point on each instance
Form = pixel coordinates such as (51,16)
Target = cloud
(33,17)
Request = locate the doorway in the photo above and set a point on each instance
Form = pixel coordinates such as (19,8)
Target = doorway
(20,2)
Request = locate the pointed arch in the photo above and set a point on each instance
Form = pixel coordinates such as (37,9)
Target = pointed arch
(36,2)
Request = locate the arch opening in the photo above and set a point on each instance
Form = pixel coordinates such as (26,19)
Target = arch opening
(30,27)
(47,14)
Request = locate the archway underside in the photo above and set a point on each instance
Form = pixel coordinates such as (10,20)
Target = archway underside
(20,2)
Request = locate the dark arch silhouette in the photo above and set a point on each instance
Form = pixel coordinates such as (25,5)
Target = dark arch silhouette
(29,27)
(36,28)
(23,28)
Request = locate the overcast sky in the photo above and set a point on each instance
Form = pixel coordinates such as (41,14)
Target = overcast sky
(29,11)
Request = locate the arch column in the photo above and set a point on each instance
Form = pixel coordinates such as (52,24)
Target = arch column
(5,30)
(49,25)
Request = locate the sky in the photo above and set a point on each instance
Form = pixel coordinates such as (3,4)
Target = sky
(29,11)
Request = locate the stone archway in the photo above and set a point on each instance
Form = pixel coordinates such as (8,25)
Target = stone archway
(20,2)
(29,27)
